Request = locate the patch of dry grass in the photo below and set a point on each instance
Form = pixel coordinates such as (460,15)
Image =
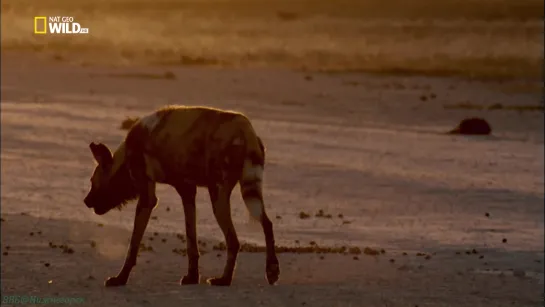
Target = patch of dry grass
(520,88)
(167,75)
(471,38)
(494,106)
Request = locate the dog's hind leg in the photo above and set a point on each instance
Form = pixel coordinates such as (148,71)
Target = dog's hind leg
(188,194)
(221,205)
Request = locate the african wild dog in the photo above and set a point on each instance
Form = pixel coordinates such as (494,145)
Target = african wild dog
(186,148)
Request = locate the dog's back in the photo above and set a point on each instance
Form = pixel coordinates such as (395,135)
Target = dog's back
(196,144)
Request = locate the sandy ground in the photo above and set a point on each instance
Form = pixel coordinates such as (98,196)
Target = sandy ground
(367,147)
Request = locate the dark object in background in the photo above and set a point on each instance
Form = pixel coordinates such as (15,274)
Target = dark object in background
(472,126)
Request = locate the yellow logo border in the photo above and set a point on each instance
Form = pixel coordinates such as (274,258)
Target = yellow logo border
(36,19)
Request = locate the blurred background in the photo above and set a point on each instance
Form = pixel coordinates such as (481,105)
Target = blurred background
(471,38)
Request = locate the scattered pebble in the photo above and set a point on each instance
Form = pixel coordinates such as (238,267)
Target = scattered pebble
(303,215)
(354,250)
(487,214)
(168,209)
(428,257)
(93,244)
(154,218)
(164,240)
(5,253)
(278,217)
(220,247)
(50,282)
(370,251)
(47,264)
(145,248)
(8,247)
(392,260)
(322,257)
(323,215)
(355,258)
(91,277)
(504,240)
(100,225)
(31,234)
(67,250)
(404,254)
(519,273)
(481,257)
(403,268)
(182,251)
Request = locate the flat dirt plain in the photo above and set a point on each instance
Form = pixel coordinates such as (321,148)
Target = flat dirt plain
(453,220)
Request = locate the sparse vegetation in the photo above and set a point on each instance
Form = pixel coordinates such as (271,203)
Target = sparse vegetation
(370,251)
(474,38)
(167,75)
(466,105)
(313,247)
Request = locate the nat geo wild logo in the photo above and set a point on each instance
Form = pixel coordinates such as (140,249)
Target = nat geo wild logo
(57,25)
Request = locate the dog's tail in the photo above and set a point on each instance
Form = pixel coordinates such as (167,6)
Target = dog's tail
(251,181)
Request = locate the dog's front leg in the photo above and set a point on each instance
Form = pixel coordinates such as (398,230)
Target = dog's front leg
(146,202)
